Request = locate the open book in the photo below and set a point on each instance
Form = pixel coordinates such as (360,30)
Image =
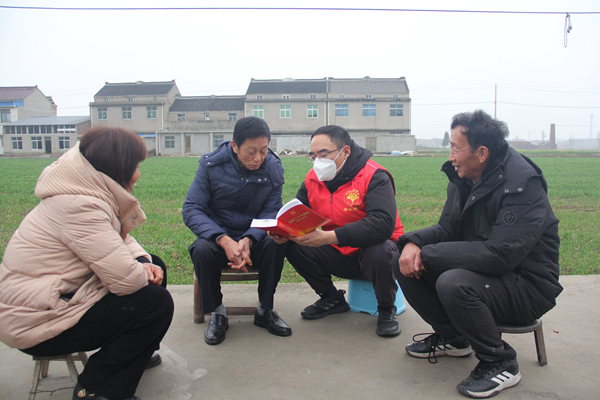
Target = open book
(293,219)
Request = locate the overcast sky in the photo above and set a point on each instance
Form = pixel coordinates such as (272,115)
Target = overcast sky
(451,61)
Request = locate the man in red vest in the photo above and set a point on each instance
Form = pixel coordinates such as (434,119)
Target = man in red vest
(358,196)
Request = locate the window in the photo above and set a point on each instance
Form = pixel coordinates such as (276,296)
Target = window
(63,142)
(395,96)
(151,112)
(368,96)
(313,96)
(130,99)
(155,98)
(36,143)
(285,111)
(285,97)
(21,130)
(258,111)
(5,112)
(207,116)
(396,110)
(341,110)
(106,100)
(9,130)
(395,132)
(341,96)
(17,143)
(169,142)
(34,129)
(180,117)
(126,112)
(102,113)
(259,97)
(217,139)
(369,110)
(312,111)
(232,116)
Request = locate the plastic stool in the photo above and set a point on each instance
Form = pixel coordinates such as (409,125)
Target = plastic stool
(42,364)
(538,334)
(361,297)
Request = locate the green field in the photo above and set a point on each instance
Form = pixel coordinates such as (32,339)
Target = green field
(421,189)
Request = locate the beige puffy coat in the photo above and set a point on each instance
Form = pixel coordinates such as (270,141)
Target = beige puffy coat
(74,241)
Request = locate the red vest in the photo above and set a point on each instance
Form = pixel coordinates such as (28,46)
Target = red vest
(347,203)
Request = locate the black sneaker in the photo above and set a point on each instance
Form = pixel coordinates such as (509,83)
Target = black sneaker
(490,378)
(435,345)
(327,305)
(79,393)
(387,325)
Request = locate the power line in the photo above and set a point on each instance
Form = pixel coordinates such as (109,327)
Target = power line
(296,9)
(541,105)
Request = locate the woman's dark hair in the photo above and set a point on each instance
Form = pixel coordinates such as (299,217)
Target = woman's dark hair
(115,152)
(338,135)
(482,130)
(250,128)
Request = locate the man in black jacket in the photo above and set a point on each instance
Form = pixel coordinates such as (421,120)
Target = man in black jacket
(491,258)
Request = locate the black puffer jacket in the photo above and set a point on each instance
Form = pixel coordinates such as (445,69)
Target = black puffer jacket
(504,227)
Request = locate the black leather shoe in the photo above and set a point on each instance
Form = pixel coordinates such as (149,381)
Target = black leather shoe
(215,331)
(387,325)
(272,322)
(80,393)
(154,361)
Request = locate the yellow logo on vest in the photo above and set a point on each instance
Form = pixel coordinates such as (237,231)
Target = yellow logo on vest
(352,200)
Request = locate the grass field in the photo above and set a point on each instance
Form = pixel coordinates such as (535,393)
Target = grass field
(421,189)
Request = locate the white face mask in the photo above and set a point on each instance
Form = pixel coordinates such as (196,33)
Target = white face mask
(325,168)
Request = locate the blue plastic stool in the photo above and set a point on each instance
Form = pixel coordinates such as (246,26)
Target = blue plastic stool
(361,297)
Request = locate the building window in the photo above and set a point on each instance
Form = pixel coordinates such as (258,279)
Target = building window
(151,112)
(169,142)
(313,96)
(259,97)
(102,113)
(130,99)
(156,99)
(396,110)
(9,130)
(285,97)
(369,110)
(207,116)
(285,111)
(21,130)
(341,110)
(34,129)
(217,140)
(258,111)
(341,96)
(5,112)
(17,143)
(232,116)
(368,96)
(312,111)
(395,96)
(126,112)
(63,142)
(36,143)
(106,99)
(180,117)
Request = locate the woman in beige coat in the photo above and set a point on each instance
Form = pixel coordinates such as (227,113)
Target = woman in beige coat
(73,279)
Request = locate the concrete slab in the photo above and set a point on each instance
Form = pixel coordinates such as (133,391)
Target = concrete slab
(341,356)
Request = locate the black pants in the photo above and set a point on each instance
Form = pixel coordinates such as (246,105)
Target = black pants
(373,264)
(126,329)
(466,303)
(208,259)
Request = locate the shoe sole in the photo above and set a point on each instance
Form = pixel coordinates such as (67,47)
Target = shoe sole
(262,325)
(513,381)
(387,333)
(458,353)
(339,310)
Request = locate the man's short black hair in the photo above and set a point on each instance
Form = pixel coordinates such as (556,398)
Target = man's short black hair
(482,130)
(338,135)
(250,128)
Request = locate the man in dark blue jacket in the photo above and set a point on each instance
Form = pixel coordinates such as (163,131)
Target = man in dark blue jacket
(239,181)
(491,258)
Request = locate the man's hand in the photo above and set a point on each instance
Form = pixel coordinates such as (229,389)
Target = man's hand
(317,238)
(154,272)
(410,261)
(277,238)
(238,253)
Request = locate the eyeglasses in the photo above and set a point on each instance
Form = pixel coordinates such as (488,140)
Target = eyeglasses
(311,157)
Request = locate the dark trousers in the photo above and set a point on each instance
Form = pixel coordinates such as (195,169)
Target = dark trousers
(373,264)
(126,329)
(209,258)
(462,302)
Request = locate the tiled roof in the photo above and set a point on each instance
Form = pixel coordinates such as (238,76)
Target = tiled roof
(208,103)
(49,121)
(287,86)
(138,88)
(15,93)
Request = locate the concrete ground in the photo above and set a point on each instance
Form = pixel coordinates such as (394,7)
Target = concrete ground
(340,356)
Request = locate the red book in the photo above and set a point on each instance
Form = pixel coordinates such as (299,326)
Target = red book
(293,220)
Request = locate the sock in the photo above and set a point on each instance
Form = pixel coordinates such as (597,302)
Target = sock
(220,310)
(259,308)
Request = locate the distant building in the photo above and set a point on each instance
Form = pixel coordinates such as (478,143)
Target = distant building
(37,136)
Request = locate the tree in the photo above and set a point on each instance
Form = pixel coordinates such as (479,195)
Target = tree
(446,139)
